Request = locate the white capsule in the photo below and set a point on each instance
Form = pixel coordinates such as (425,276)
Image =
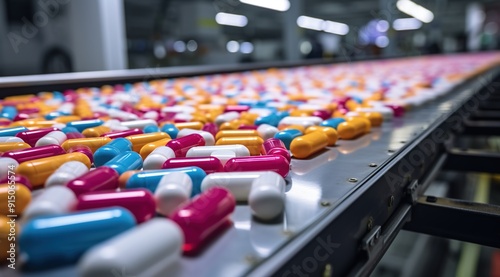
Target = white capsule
(139,123)
(6,165)
(151,115)
(178,109)
(205,151)
(65,173)
(260,111)
(306,121)
(52,201)
(267,196)
(223,155)
(226,117)
(59,125)
(146,250)
(115,125)
(207,137)
(11,139)
(54,137)
(238,183)
(158,157)
(183,116)
(387,113)
(114,113)
(267,131)
(173,190)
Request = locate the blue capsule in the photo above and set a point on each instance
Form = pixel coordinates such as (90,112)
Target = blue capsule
(12,131)
(110,150)
(287,136)
(81,125)
(271,119)
(8,112)
(170,129)
(68,130)
(332,122)
(151,128)
(53,115)
(51,241)
(150,179)
(125,161)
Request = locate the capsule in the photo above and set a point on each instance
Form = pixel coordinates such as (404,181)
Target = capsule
(254,144)
(223,155)
(271,119)
(140,202)
(37,171)
(12,131)
(112,149)
(8,112)
(92,143)
(127,160)
(173,190)
(144,257)
(238,183)
(332,122)
(376,119)
(101,178)
(196,125)
(11,146)
(10,139)
(204,151)
(151,129)
(58,240)
(32,136)
(304,121)
(288,136)
(274,163)
(170,129)
(84,150)
(236,133)
(141,123)
(366,123)
(267,196)
(65,173)
(328,131)
(74,135)
(208,164)
(351,130)
(55,137)
(150,147)
(81,125)
(124,177)
(151,178)
(54,200)
(29,154)
(307,145)
(66,119)
(123,134)
(158,157)
(211,128)
(96,131)
(14,198)
(207,137)
(138,141)
(18,179)
(182,145)
(226,117)
(204,218)
(274,146)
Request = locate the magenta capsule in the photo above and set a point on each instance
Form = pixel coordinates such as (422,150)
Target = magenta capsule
(74,135)
(84,149)
(322,113)
(274,146)
(21,116)
(276,163)
(182,145)
(29,110)
(28,154)
(208,164)
(211,128)
(247,127)
(122,134)
(398,111)
(101,178)
(140,202)
(32,136)
(204,218)
(18,179)
(236,108)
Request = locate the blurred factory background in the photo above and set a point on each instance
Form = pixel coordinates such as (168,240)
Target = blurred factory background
(49,36)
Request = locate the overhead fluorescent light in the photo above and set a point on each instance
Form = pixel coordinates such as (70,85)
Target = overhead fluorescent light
(277,5)
(231,19)
(311,23)
(413,9)
(335,28)
(403,24)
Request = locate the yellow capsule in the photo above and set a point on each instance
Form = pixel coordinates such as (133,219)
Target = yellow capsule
(301,128)
(254,144)
(301,112)
(138,141)
(250,117)
(366,123)
(235,133)
(6,225)
(351,105)
(34,122)
(148,148)
(26,97)
(331,133)
(375,118)
(8,146)
(14,198)
(67,118)
(305,146)
(37,171)
(351,129)
(92,143)
(96,131)
(231,125)
(200,118)
(196,125)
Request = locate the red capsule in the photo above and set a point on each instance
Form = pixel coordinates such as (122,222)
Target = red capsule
(182,145)
(211,128)
(28,154)
(74,135)
(208,164)
(101,178)
(204,218)
(84,150)
(140,202)
(32,136)
(122,134)
(274,146)
(19,179)
(276,163)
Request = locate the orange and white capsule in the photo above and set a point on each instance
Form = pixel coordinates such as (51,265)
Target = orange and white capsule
(9,146)
(150,147)
(236,133)
(14,198)
(304,146)
(254,144)
(197,125)
(96,131)
(92,143)
(138,141)
(331,133)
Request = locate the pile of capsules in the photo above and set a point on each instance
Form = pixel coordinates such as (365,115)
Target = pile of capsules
(136,175)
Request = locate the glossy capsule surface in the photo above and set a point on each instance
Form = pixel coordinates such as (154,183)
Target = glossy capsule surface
(332,122)
(92,143)
(182,145)
(84,124)
(9,146)
(28,154)
(275,163)
(101,178)
(96,131)
(274,146)
(124,161)
(138,141)
(351,130)
(54,200)
(123,134)
(14,203)
(267,195)
(112,149)
(32,136)
(331,133)
(208,164)
(150,147)
(12,131)
(254,144)
(151,178)
(236,133)
(287,136)
(307,145)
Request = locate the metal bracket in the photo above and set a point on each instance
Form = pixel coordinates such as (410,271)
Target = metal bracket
(371,243)
(412,191)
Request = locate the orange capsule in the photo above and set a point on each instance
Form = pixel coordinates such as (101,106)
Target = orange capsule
(138,141)
(235,133)
(96,131)
(7,227)
(375,118)
(92,143)
(301,128)
(26,97)
(254,144)
(149,147)
(305,146)
(196,125)
(67,118)
(249,117)
(14,199)
(42,123)
(366,123)
(301,112)
(331,133)
(8,146)
(231,125)
(351,129)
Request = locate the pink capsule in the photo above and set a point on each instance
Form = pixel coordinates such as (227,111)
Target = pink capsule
(5,123)
(140,202)
(322,113)
(101,178)
(74,135)
(122,134)
(398,111)
(236,108)
(274,146)
(211,128)
(21,116)
(29,110)
(32,136)
(84,149)
(182,145)
(248,127)
(208,164)
(204,218)
(18,179)
(28,154)
(276,163)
